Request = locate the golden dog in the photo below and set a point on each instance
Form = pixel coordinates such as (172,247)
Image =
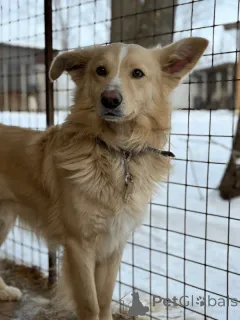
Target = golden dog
(85,184)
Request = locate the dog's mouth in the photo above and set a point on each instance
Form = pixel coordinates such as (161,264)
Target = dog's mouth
(111,115)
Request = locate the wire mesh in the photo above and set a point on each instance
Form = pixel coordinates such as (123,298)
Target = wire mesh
(184,260)
(22,100)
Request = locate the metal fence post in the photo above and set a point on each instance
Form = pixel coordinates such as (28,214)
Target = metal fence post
(52,258)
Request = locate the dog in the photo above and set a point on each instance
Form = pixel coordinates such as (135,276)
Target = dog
(86,184)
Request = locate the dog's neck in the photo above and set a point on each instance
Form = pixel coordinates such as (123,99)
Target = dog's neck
(130,135)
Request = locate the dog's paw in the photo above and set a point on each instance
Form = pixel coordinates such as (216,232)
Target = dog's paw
(10,294)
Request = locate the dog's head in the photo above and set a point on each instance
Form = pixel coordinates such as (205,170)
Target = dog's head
(124,83)
(120,81)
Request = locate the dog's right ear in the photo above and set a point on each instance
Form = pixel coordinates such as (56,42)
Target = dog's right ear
(70,62)
(179,58)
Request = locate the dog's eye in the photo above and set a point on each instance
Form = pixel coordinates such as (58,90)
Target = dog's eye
(137,73)
(101,71)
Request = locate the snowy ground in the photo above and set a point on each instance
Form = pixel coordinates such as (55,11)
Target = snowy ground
(188,201)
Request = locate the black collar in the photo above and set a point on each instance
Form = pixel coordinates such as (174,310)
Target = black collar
(131,153)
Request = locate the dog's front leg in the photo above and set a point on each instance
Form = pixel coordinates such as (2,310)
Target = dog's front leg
(105,277)
(80,266)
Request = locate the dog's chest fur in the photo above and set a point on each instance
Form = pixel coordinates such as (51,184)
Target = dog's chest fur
(118,232)
(97,193)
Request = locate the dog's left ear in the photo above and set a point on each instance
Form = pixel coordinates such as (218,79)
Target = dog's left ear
(179,58)
(70,61)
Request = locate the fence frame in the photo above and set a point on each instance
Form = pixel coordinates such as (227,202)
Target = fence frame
(52,256)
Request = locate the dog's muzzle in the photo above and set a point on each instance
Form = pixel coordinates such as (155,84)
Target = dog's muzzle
(111,105)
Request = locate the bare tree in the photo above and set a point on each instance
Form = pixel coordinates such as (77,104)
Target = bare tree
(230,184)
(146,22)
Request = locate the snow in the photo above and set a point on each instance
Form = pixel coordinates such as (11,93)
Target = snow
(179,206)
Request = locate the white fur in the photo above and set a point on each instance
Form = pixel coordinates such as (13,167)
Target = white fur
(8,293)
(123,54)
(116,81)
(122,225)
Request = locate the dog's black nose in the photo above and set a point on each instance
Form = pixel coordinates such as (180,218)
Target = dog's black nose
(111,99)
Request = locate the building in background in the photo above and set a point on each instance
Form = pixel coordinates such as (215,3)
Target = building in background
(235,27)
(214,88)
(22,73)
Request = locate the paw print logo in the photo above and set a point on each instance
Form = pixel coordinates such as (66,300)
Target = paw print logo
(200,301)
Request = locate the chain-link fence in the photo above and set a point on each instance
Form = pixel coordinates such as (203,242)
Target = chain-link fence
(184,260)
